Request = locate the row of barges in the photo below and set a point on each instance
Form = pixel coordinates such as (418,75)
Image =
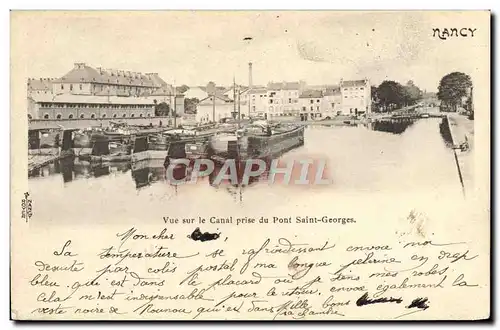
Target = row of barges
(123,143)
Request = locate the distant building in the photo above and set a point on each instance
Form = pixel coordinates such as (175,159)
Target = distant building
(202,92)
(87,80)
(356,96)
(332,102)
(87,92)
(258,101)
(283,98)
(311,104)
(40,86)
(224,107)
(67,106)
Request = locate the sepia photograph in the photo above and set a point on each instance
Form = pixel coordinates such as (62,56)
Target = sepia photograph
(250,165)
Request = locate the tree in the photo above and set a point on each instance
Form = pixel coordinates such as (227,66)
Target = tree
(412,93)
(162,109)
(190,105)
(211,88)
(452,88)
(391,94)
(375,99)
(182,89)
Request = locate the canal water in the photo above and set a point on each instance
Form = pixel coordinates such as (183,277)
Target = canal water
(369,167)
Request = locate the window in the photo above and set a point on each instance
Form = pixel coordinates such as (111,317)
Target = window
(92,116)
(71,87)
(253,108)
(361,89)
(270,101)
(70,116)
(46,116)
(140,115)
(104,116)
(62,86)
(289,100)
(81,86)
(312,101)
(312,108)
(132,116)
(82,116)
(317,100)
(303,108)
(149,115)
(30,117)
(345,96)
(59,116)
(114,116)
(124,115)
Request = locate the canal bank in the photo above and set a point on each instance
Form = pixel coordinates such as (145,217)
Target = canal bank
(458,132)
(360,161)
(462,132)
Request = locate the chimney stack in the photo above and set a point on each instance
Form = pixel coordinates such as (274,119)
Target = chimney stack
(250,78)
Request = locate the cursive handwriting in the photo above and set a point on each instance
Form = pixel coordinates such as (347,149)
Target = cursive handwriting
(141,274)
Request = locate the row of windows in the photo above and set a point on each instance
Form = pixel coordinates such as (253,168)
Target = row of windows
(109,82)
(354,97)
(92,116)
(312,101)
(312,108)
(109,106)
(354,88)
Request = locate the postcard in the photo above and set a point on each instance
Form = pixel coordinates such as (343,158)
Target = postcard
(250,165)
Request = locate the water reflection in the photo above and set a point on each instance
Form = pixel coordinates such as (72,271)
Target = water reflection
(72,169)
(391,126)
(392,147)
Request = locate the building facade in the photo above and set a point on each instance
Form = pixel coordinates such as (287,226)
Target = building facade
(283,98)
(332,102)
(84,79)
(311,104)
(356,96)
(258,101)
(224,108)
(67,106)
(86,92)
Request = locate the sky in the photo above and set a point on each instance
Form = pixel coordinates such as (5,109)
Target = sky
(193,48)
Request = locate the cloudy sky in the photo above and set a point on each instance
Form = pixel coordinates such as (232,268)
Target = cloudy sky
(193,48)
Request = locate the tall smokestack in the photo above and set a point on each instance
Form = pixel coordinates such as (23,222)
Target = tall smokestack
(250,81)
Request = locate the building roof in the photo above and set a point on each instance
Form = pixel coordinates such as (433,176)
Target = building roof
(257,90)
(283,85)
(90,99)
(220,97)
(42,84)
(332,91)
(82,73)
(353,83)
(311,94)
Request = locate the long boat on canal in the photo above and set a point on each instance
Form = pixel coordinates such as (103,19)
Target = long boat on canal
(257,140)
(171,143)
(108,149)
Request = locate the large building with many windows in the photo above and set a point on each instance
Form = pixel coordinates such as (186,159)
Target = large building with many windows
(67,106)
(87,80)
(86,92)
